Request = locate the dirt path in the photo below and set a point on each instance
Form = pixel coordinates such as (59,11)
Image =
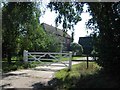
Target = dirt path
(36,78)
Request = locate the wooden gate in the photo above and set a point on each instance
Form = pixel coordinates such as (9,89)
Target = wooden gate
(40,56)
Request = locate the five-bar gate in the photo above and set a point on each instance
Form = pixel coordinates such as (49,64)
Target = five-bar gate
(40,56)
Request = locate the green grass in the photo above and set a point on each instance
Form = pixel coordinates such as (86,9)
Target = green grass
(76,58)
(80,77)
(73,58)
(17,64)
(68,79)
(77,70)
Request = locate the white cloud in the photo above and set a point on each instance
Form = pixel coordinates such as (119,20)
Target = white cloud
(48,17)
(80,28)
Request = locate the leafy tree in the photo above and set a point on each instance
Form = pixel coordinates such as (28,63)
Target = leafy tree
(106,18)
(76,48)
(17,18)
(39,40)
(35,40)
(53,43)
(68,14)
(22,30)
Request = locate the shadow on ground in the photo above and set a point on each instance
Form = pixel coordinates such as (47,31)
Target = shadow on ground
(97,80)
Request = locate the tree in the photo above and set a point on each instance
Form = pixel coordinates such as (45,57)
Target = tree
(39,40)
(35,40)
(53,43)
(17,18)
(22,30)
(68,14)
(76,49)
(106,18)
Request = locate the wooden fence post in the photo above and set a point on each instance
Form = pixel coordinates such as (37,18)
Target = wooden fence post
(25,56)
(70,60)
(87,62)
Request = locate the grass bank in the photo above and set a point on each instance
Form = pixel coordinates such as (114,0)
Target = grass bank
(80,77)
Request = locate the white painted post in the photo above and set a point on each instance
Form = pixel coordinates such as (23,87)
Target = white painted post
(70,60)
(25,56)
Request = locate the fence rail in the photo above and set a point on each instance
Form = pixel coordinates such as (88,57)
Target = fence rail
(39,56)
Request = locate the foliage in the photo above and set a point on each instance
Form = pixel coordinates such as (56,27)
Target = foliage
(32,41)
(106,18)
(53,43)
(68,79)
(38,40)
(22,30)
(18,18)
(68,14)
(17,65)
(76,48)
(80,77)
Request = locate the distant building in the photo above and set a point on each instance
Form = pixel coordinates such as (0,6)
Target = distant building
(63,37)
(87,44)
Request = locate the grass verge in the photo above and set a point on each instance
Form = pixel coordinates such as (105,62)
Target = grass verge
(80,77)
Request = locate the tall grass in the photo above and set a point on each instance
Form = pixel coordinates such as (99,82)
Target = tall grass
(81,77)
(68,79)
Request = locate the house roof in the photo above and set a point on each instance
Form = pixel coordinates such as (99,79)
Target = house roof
(54,30)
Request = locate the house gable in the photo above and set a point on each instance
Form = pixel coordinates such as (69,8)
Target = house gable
(59,34)
(54,30)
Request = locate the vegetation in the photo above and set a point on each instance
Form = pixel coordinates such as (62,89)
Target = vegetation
(16,19)
(75,58)
(105,23)
(80,77)
(76,49)
(17,65)
(108,40)
(22,31)
(68,14)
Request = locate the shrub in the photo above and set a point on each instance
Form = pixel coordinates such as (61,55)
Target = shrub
(76,49)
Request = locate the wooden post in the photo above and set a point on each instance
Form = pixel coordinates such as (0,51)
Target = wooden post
(95,58)
(70,60)
(25,56)
(87,62)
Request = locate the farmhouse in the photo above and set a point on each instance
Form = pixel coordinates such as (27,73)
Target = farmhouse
(63,37)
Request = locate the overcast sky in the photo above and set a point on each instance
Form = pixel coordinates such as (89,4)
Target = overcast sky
(80,28)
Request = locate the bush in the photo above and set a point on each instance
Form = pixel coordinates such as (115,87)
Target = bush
(18,65)
(76,49)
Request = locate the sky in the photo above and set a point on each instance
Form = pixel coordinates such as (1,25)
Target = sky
(80,28)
